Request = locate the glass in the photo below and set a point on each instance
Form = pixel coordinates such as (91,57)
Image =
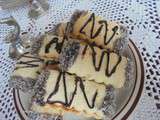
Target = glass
(36,8)
(6,4)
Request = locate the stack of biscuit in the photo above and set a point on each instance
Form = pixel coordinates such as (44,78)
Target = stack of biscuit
(71,68)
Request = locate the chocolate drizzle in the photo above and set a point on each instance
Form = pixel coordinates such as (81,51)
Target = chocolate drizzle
(114,67)
(58,45)
(103,24)
(94,60)
(30,63)
(53,41)
(103,54)
(67,103)
(51,62)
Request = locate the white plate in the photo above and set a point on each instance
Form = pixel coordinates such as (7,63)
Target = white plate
(126,98)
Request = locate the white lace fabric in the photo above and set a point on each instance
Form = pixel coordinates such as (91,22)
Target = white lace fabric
(141,17)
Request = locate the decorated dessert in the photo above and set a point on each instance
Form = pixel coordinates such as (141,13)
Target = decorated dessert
(88,27)
(62,92)
(100,65)
(75,68)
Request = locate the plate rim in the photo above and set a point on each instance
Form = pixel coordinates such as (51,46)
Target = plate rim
(141,87)
(130,110)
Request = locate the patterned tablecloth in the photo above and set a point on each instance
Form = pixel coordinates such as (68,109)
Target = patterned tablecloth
(142,18)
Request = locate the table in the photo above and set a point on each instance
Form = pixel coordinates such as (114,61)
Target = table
(141,17)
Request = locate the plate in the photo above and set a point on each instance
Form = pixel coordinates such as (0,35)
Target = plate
(126,98)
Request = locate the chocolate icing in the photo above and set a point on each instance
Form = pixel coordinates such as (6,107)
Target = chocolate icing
(103,54)
(67,103)
(103,24)
(67,55)
(51,62)
(29,64)
(58,45)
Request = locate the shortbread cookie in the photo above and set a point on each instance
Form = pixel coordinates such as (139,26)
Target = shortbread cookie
(26,71)
(58,92)
(93,63)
